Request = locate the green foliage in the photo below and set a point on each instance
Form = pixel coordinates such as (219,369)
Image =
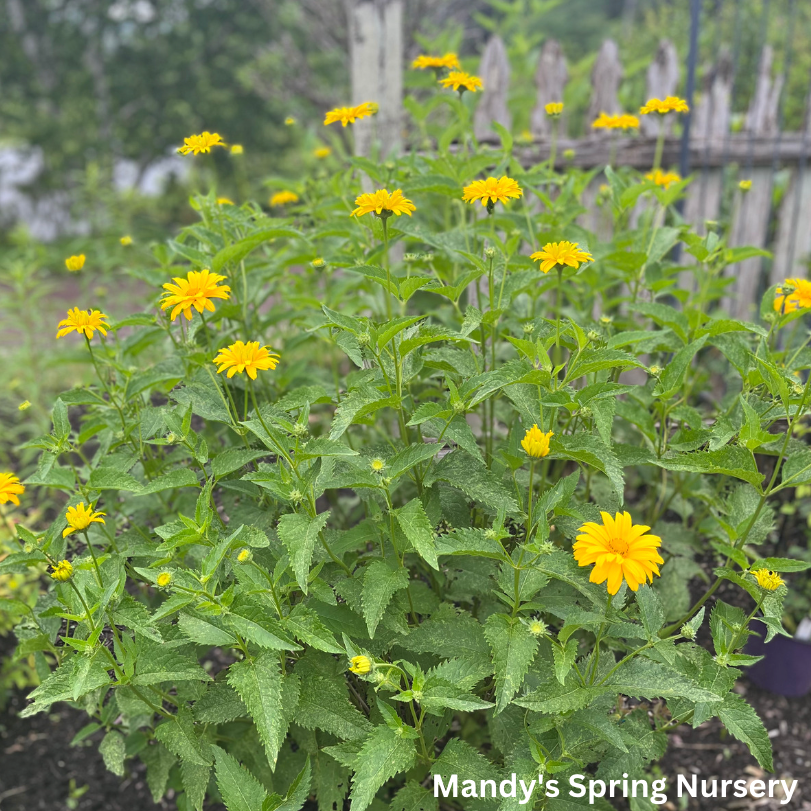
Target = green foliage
(347,575)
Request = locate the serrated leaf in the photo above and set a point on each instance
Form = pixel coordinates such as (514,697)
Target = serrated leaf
(650,610)
(383,755)
(113,751)
(745,724)
(195,782)
(564,657)
(299,534)
(514,649)
(159,761)
(240,790)
(177,734)
(380,584)
(417,528)
(325,704)
(204,633)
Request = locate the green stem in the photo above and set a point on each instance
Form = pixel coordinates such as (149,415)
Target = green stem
(93,555)
(384,222)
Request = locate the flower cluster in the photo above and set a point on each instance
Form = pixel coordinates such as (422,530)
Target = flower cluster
(202,143)
(671,104)
(621,121)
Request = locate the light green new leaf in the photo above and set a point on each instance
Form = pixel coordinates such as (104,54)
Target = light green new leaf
(417,528)
(383,755)
(514,648)
(564,658)
(650,609)
(299,534)
(380,584)
(113,750)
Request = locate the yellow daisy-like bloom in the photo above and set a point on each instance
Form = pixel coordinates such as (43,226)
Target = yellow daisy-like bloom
(62,571)
(383,204)
(554,108)
(196,290)
(768,580)
(126,240)
(459,79)
(225,201)
(619,550)
(322,152)
(81,517)
(245,357)
(672,104)
(798,299)
(282,198)
(360,665)
(536,442)
(449,61)
(622,121)
(83,321)
(377,465)
(164,579)
(195,144)
(745,185)
(10,489)
(492,191)
(74,263)
(348,115)
(561,253)
(663,179)
(237,149)
(289,121)
(245,556)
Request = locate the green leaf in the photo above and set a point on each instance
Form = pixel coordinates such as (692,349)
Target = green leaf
(178,735)
(514,649)
(259,684)
(61,420)
(156,663)
(195,783)
(297,792)
(106,478)
(306,626)
(233,254)
(325,704)
(380,584)
(417,528)
(324,446)
(781,565)
(564,658)
(253,622)
(180,477)
(89,673)
(413,797)
(240,790)
(233,459)
(673,375)
(650,609)
(383,755)
(204,633)
(159,761)
(470,475)
(745,724)
(299,534)
(113,750)
(591,451)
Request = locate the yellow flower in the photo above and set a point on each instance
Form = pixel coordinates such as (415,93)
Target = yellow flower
(381,201)
(200,143)
(126,240)
(245,357)
(797,299)
(622,121)
(360,665)
(449,60)
(560,253)
(538,627)
(62,571)
(458,78)
(224,201)
(672,104)
(245,556)
(536,442)
(237,149)
(768,580)
(10,489)
(164,579)
(745,185)
(24,405)
(619,550)
(81,517)
(196,290)
(348,115)
(289,121)
(82,321)
(322,152)
(282,198)
(554,108)
(663,179)
(74,263)
(318,262)
(377,465)
(492,191)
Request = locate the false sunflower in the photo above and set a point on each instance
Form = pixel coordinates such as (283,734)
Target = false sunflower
(672,104)
(620,550)
(10,489)
(348,115)
(621,121)
(663,179)
(74,263)
(196,290)
(536,442)
(560,253)
(360,665)
(83,321)
(383,204)
(195,144)
(797,299)
(81,517)
(449,61)
(492,191)
(554,108)
(459,79)
(322,152)
(282,198)
(768,580)
(246,357)
(62,571)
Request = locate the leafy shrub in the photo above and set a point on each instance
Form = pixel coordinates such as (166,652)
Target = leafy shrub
(356,570)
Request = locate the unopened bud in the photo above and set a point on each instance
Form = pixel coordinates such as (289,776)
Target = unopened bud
(245,556)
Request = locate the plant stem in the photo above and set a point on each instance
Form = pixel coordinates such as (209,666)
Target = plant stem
(385,223)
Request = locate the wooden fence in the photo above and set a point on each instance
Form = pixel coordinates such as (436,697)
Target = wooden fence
(717,157)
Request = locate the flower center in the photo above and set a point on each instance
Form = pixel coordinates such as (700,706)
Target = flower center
(618,545)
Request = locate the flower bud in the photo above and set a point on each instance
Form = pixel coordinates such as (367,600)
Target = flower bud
(245,556)
(377,465)
(489,253)
(360,665)
(363,338)
(687,631)
(296,496)
(164,579)
(318,262)
(62,571)
(538,627)
(529,328)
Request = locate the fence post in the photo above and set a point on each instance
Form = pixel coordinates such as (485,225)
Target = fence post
(606,76)
(376,69)
(494,71)
(663,79)
(550,79)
